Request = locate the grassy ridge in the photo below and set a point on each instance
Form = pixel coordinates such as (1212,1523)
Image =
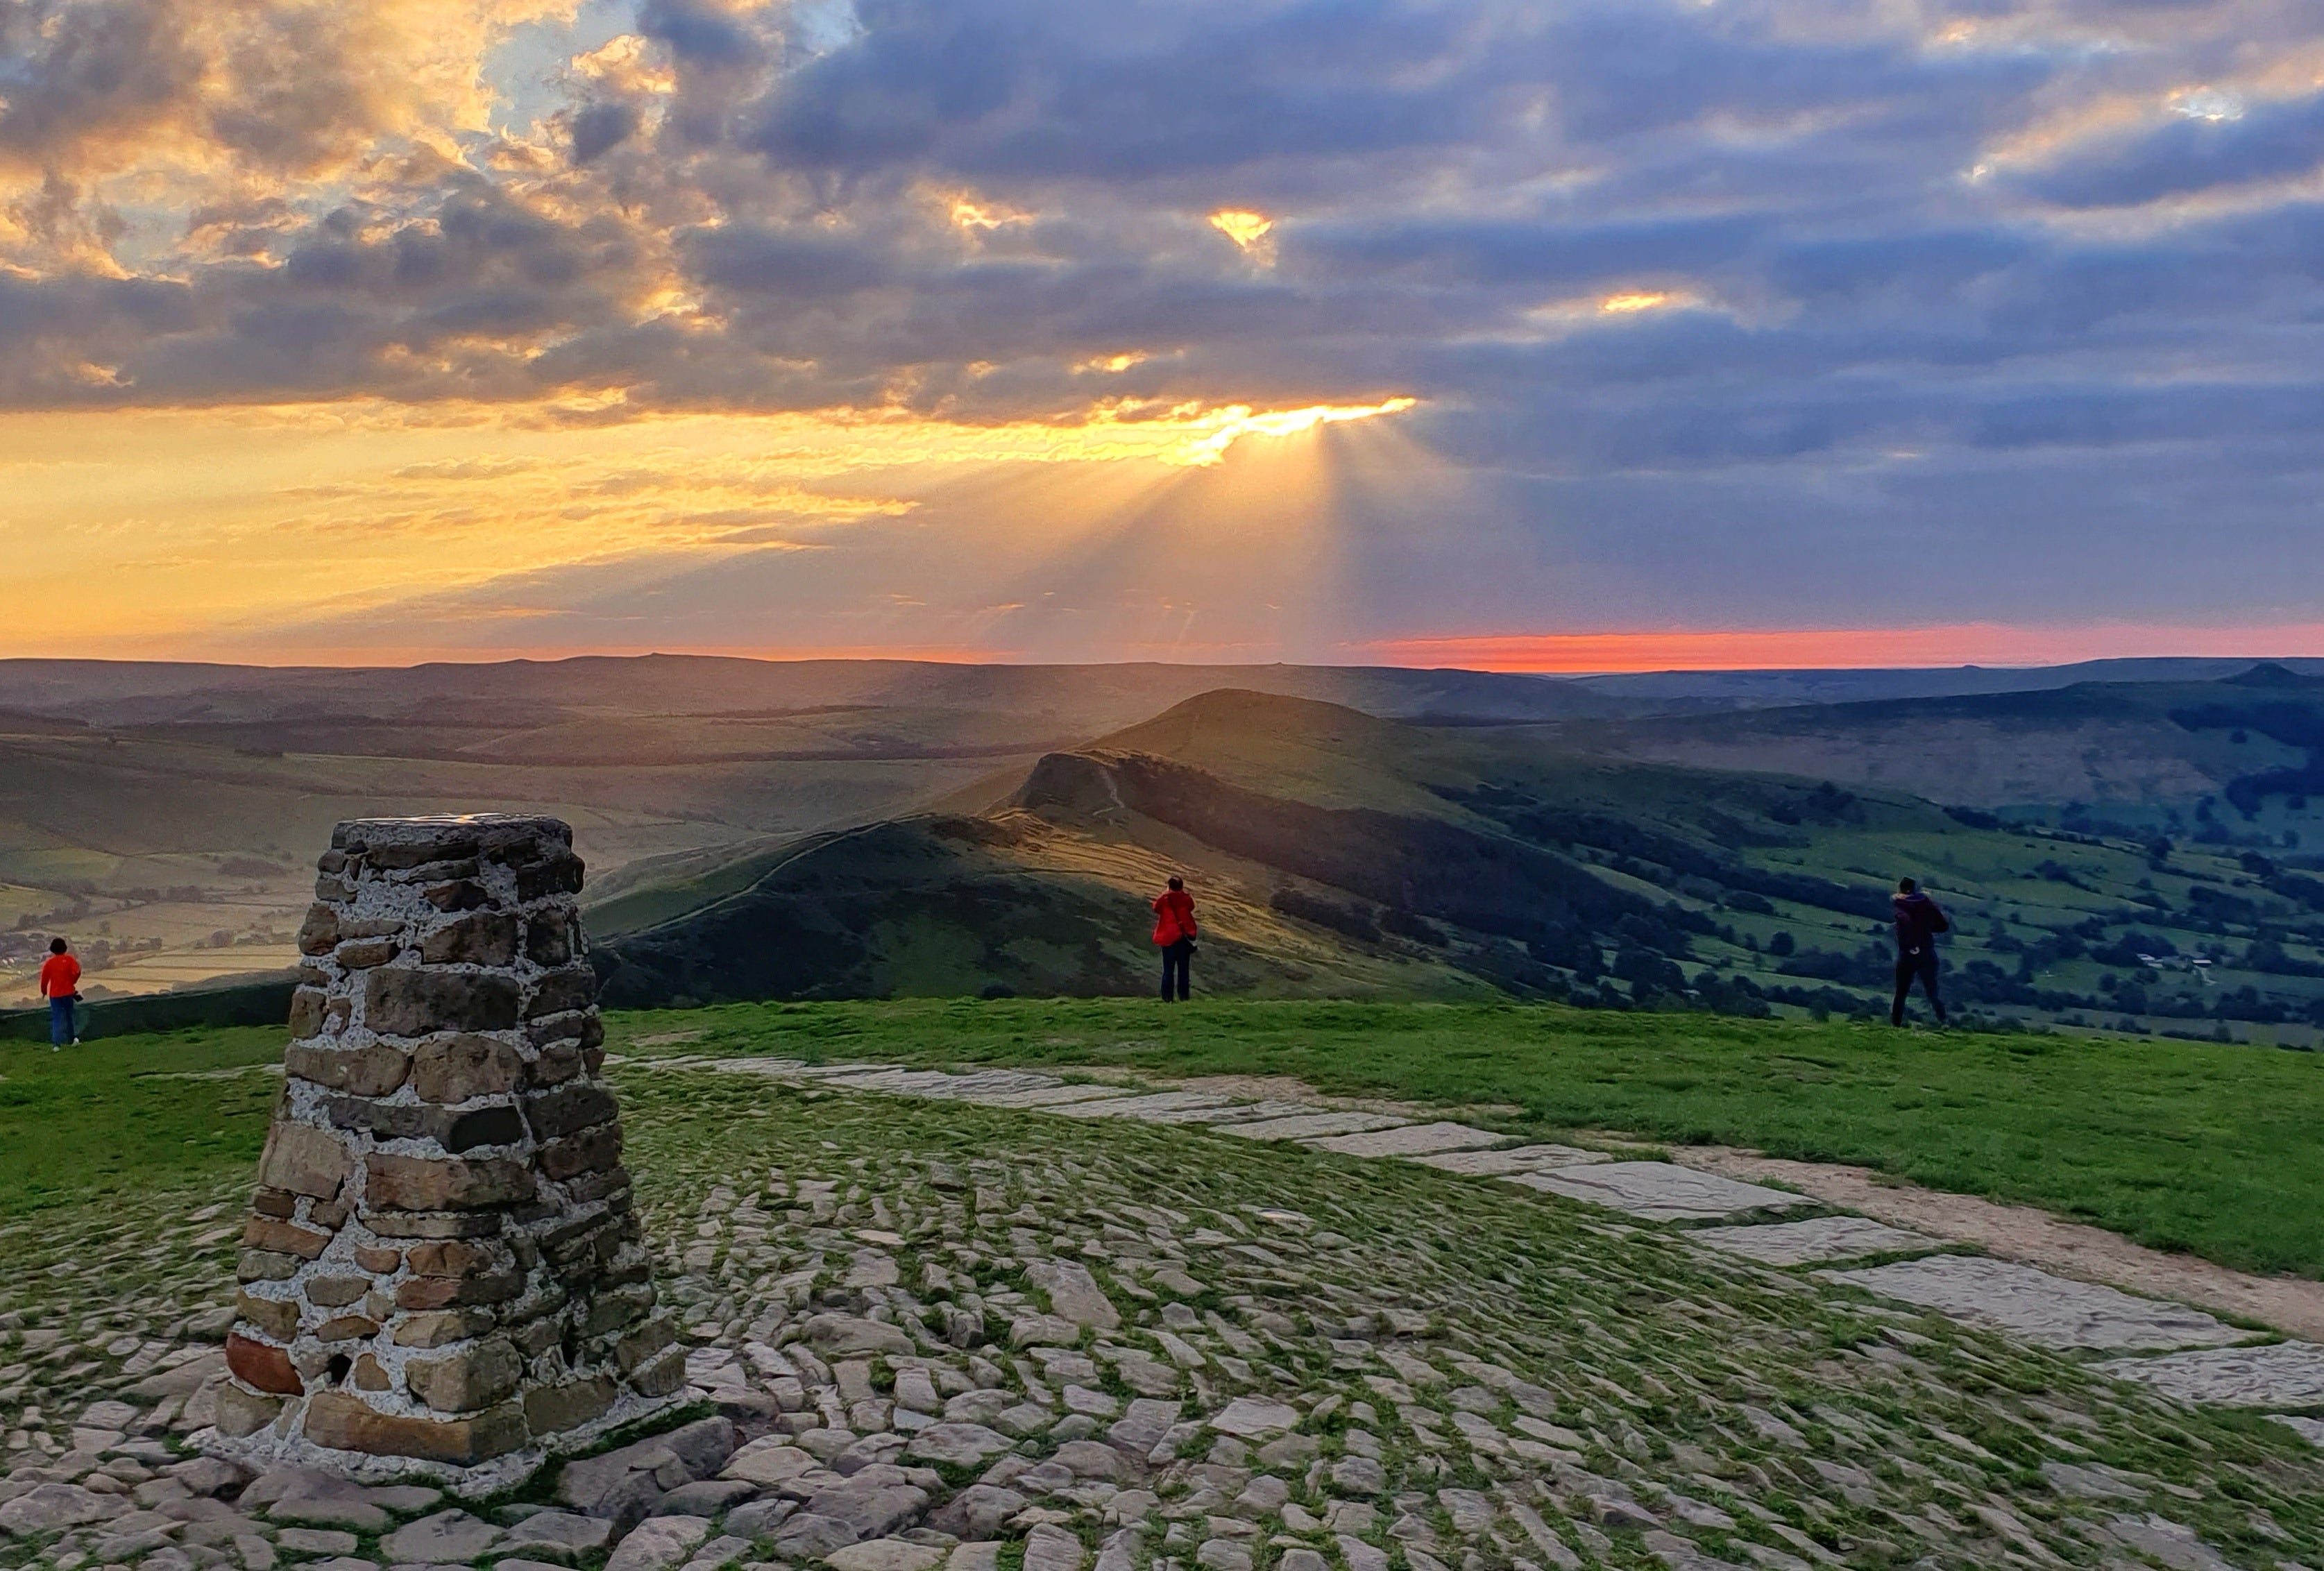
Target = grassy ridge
(2203,1148)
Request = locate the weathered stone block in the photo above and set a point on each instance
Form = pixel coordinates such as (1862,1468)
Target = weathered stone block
(549,938)
(611,1185)
(348,1328)
(643,1342)
(442,1328)
(456,1258)
(483,938)
(307,1011)
(419,853)
(303,1160)
(611,1310)
(443,1292)
(370,952)
(319,933)
(559,875)
(558,1062)
(376,1070)
(242,1413)
(591,1150)
(265,1265)
(584,1031)
(383,1262)
(264,1366)
(433,1223)
(535,1338)
(283,1237)
(454,1068)
(563,992)
(346,1423)
(369,1374)
(660,1375)
(406,1002)
(462,894)
(553,1408)
(278,1317)
(405,1183)
(474,1377)
(563,1110)
(336,1292)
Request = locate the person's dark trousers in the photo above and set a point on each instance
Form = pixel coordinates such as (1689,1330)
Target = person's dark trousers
(1177,965)
(61,1021)
(1924,966)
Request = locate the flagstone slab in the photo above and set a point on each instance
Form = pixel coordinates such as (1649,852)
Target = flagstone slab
(1815,1240)
(2054,1311)
(1309,1125)
(1144,1106)
(1051,1096)
(1660,1191)
(2309,1430)
(1254,1112)
(1409,1140)
(900,1082)
(2286,1374)
(1504,1164)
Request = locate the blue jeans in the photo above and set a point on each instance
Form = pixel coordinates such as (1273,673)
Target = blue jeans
(61,1021)
(1176,969)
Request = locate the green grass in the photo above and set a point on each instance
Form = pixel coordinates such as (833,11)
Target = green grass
(2207,1149)
(2212,1149)
(116,1117)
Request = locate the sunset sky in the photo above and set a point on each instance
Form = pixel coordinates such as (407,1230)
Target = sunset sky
(1530,334)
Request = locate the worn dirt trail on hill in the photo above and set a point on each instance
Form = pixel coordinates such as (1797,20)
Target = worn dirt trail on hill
(2033,1236)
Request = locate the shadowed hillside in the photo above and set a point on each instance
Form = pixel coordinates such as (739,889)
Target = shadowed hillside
(1339,854)
(2232,760)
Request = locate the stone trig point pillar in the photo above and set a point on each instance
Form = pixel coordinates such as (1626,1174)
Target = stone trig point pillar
(442,1273)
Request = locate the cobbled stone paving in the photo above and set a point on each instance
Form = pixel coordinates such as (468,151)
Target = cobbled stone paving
(950,1338)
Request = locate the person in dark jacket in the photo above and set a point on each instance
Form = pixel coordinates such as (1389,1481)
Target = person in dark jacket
(1918,923)
(1174,932)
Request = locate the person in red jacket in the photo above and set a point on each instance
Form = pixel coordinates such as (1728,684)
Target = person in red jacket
(1174,931)
(60,985)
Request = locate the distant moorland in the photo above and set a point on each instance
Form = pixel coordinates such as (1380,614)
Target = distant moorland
(2126,847)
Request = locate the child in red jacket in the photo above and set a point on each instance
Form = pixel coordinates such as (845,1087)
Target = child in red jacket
(60,985)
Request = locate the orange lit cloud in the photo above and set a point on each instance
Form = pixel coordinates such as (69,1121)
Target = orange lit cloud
(1244,227)
(1827,648)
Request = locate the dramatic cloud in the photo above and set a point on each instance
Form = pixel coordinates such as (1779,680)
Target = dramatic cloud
(1748,313)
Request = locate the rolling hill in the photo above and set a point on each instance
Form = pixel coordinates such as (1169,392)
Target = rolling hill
(2239,754)
(164,815)
(1343,855)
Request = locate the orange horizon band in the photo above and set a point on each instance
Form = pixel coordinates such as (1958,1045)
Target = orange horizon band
(1808,649)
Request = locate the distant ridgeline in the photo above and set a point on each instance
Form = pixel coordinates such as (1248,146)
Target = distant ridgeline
(1338,853)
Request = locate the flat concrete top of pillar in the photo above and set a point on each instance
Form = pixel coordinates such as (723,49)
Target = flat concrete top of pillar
(469,829)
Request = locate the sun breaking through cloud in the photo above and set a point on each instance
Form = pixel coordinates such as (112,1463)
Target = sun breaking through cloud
(638,304)
(1247,230)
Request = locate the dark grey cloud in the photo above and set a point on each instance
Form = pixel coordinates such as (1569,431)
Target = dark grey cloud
(1901,247)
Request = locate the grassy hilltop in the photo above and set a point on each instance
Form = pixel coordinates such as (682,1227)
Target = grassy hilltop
(2199,1147)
